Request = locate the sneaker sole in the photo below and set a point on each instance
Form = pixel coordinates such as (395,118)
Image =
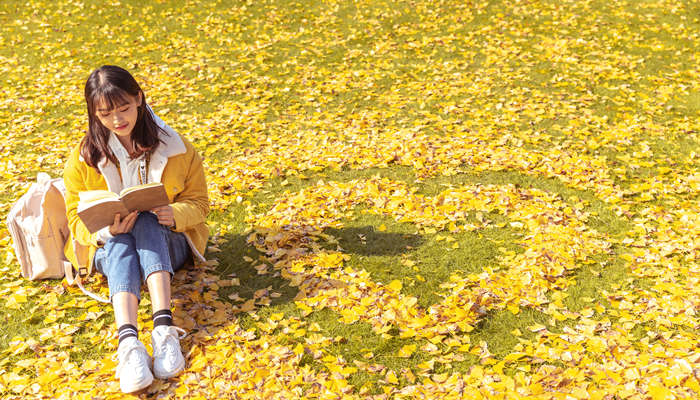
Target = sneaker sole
(177,371)
(137,386)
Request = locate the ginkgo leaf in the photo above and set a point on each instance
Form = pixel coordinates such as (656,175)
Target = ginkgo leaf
(407,350)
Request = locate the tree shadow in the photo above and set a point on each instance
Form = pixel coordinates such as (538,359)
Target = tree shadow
(234,263)
(242,261)
(366,241)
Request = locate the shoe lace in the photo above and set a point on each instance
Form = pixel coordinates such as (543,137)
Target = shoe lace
(181,332)
(170,338)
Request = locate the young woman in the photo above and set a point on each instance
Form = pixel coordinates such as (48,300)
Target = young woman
(127,145)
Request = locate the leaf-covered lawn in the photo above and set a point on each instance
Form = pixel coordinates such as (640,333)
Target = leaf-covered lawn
(412,199)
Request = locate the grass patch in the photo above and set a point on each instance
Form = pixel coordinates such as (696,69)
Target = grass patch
(382,253)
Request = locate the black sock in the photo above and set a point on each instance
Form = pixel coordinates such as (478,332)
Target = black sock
(162,317)
(127,330)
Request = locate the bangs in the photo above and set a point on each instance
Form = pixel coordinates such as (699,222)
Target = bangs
(109,97)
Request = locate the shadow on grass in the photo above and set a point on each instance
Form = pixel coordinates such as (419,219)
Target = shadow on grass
(366,241)
(235,252)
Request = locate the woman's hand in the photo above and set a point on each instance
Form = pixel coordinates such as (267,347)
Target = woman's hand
(123,225)
(165,215)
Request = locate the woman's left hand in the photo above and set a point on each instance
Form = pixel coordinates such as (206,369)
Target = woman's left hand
(165,215)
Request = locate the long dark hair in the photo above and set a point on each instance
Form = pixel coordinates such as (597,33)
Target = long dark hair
(109,85)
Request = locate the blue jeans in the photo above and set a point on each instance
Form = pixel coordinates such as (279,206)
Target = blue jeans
(128,259)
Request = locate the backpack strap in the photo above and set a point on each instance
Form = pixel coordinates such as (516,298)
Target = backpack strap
(90,294)
(78,280)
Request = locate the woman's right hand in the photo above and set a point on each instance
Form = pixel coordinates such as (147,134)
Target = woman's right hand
(124,225)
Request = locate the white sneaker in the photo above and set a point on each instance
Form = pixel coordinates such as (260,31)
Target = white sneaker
(167,355)
(134,370)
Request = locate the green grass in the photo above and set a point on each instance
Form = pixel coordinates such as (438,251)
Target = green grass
(435,261)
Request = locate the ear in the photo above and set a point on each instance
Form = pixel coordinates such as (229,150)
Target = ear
(140,99)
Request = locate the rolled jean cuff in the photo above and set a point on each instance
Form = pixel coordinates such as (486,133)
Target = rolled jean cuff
(155,268)
(124,288)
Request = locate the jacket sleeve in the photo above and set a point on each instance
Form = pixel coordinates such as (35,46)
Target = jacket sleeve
(191,206)
(74,175)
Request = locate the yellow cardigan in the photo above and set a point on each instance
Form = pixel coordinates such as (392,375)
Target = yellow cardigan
(175,163)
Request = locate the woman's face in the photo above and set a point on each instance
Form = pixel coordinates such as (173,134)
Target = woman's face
(120,120)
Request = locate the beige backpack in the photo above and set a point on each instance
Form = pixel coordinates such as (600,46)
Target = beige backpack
(39,229)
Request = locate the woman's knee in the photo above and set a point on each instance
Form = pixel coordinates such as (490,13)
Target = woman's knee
(122,239)
(145,222)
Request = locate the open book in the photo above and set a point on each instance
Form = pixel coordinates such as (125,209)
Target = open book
(96,208)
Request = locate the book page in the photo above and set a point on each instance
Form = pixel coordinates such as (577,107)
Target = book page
(90,196)
(145,197)
(138,187)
